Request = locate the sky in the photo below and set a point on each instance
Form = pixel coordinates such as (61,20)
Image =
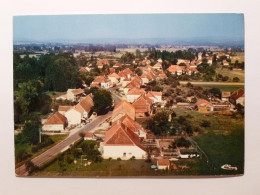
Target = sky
(128,26)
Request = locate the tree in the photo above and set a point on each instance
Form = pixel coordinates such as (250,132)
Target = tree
(138,71)
(215,92)
(30,167)
(160,124)
(102,101)
(236,79)
(205,123)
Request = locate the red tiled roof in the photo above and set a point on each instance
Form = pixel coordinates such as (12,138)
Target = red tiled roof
(114,75)
(142,104)
(158,65)
(237,94)
(95,85)
(128,71)
(64,108)
(119,135)
(203,102)
(56,118)
(163,162)
(130,124)
(102,62)
(225,94)
(77,91)
(136,91)
(174,68)
(101,79)
(124,107)
(88,134)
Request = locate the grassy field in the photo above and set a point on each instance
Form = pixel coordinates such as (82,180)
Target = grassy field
(232,73)
(223,141)
(56,138)
(230,88)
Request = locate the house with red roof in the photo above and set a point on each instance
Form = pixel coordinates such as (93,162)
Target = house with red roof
(121,142)
(74,94)
(225,96)
(225,63)
(80,112)
(204,106)
(175,69)
(133,126)
(158,66)
(238,97)
(103,81)
(56,122)
(122,109)
(128,72)
(102,62)
(114,78)
(134,94)
(163,164)
(117,65)
(155,96)
(142,106)
(63,109)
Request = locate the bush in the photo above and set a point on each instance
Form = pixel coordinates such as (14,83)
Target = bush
(205,123)
(118,159)
(236,79)
(182,142)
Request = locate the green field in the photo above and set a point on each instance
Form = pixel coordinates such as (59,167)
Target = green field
(56,138)
(232,73)
(230,88)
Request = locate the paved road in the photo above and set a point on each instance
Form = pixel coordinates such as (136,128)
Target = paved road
(63,145)
(210,83)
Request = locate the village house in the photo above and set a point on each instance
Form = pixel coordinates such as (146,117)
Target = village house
(103,81)
(121,109)
(163,164)
(114,78)
(117,65)
(158,66)
(134,94)
(225,96)
(136,82)
(122,76)
(79,113)
(142,106)
(133,126)
(89,136)
(238,97)
(146,78)
(204,106)
(63,109)
(155,96)
(74,94)
(160,75)
(183,61)
(200,56)
(121,142)
(225,63)
(102,62)
(57,122)
(128,72)
(94,85)
(174,69)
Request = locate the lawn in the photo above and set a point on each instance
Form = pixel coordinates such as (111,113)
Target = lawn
(223,149)
(56,138)
(232,73)
(230,88)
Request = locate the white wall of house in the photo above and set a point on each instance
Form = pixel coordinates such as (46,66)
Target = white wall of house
(241,101)
(73,117)
(124,83)
(113,80)
(105,85)
(70,95)
(54,127)
(145,81)
(123,152)
(162,167)
(62,112)
(132,98)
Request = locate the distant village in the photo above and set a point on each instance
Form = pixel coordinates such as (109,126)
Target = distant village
(124,137)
